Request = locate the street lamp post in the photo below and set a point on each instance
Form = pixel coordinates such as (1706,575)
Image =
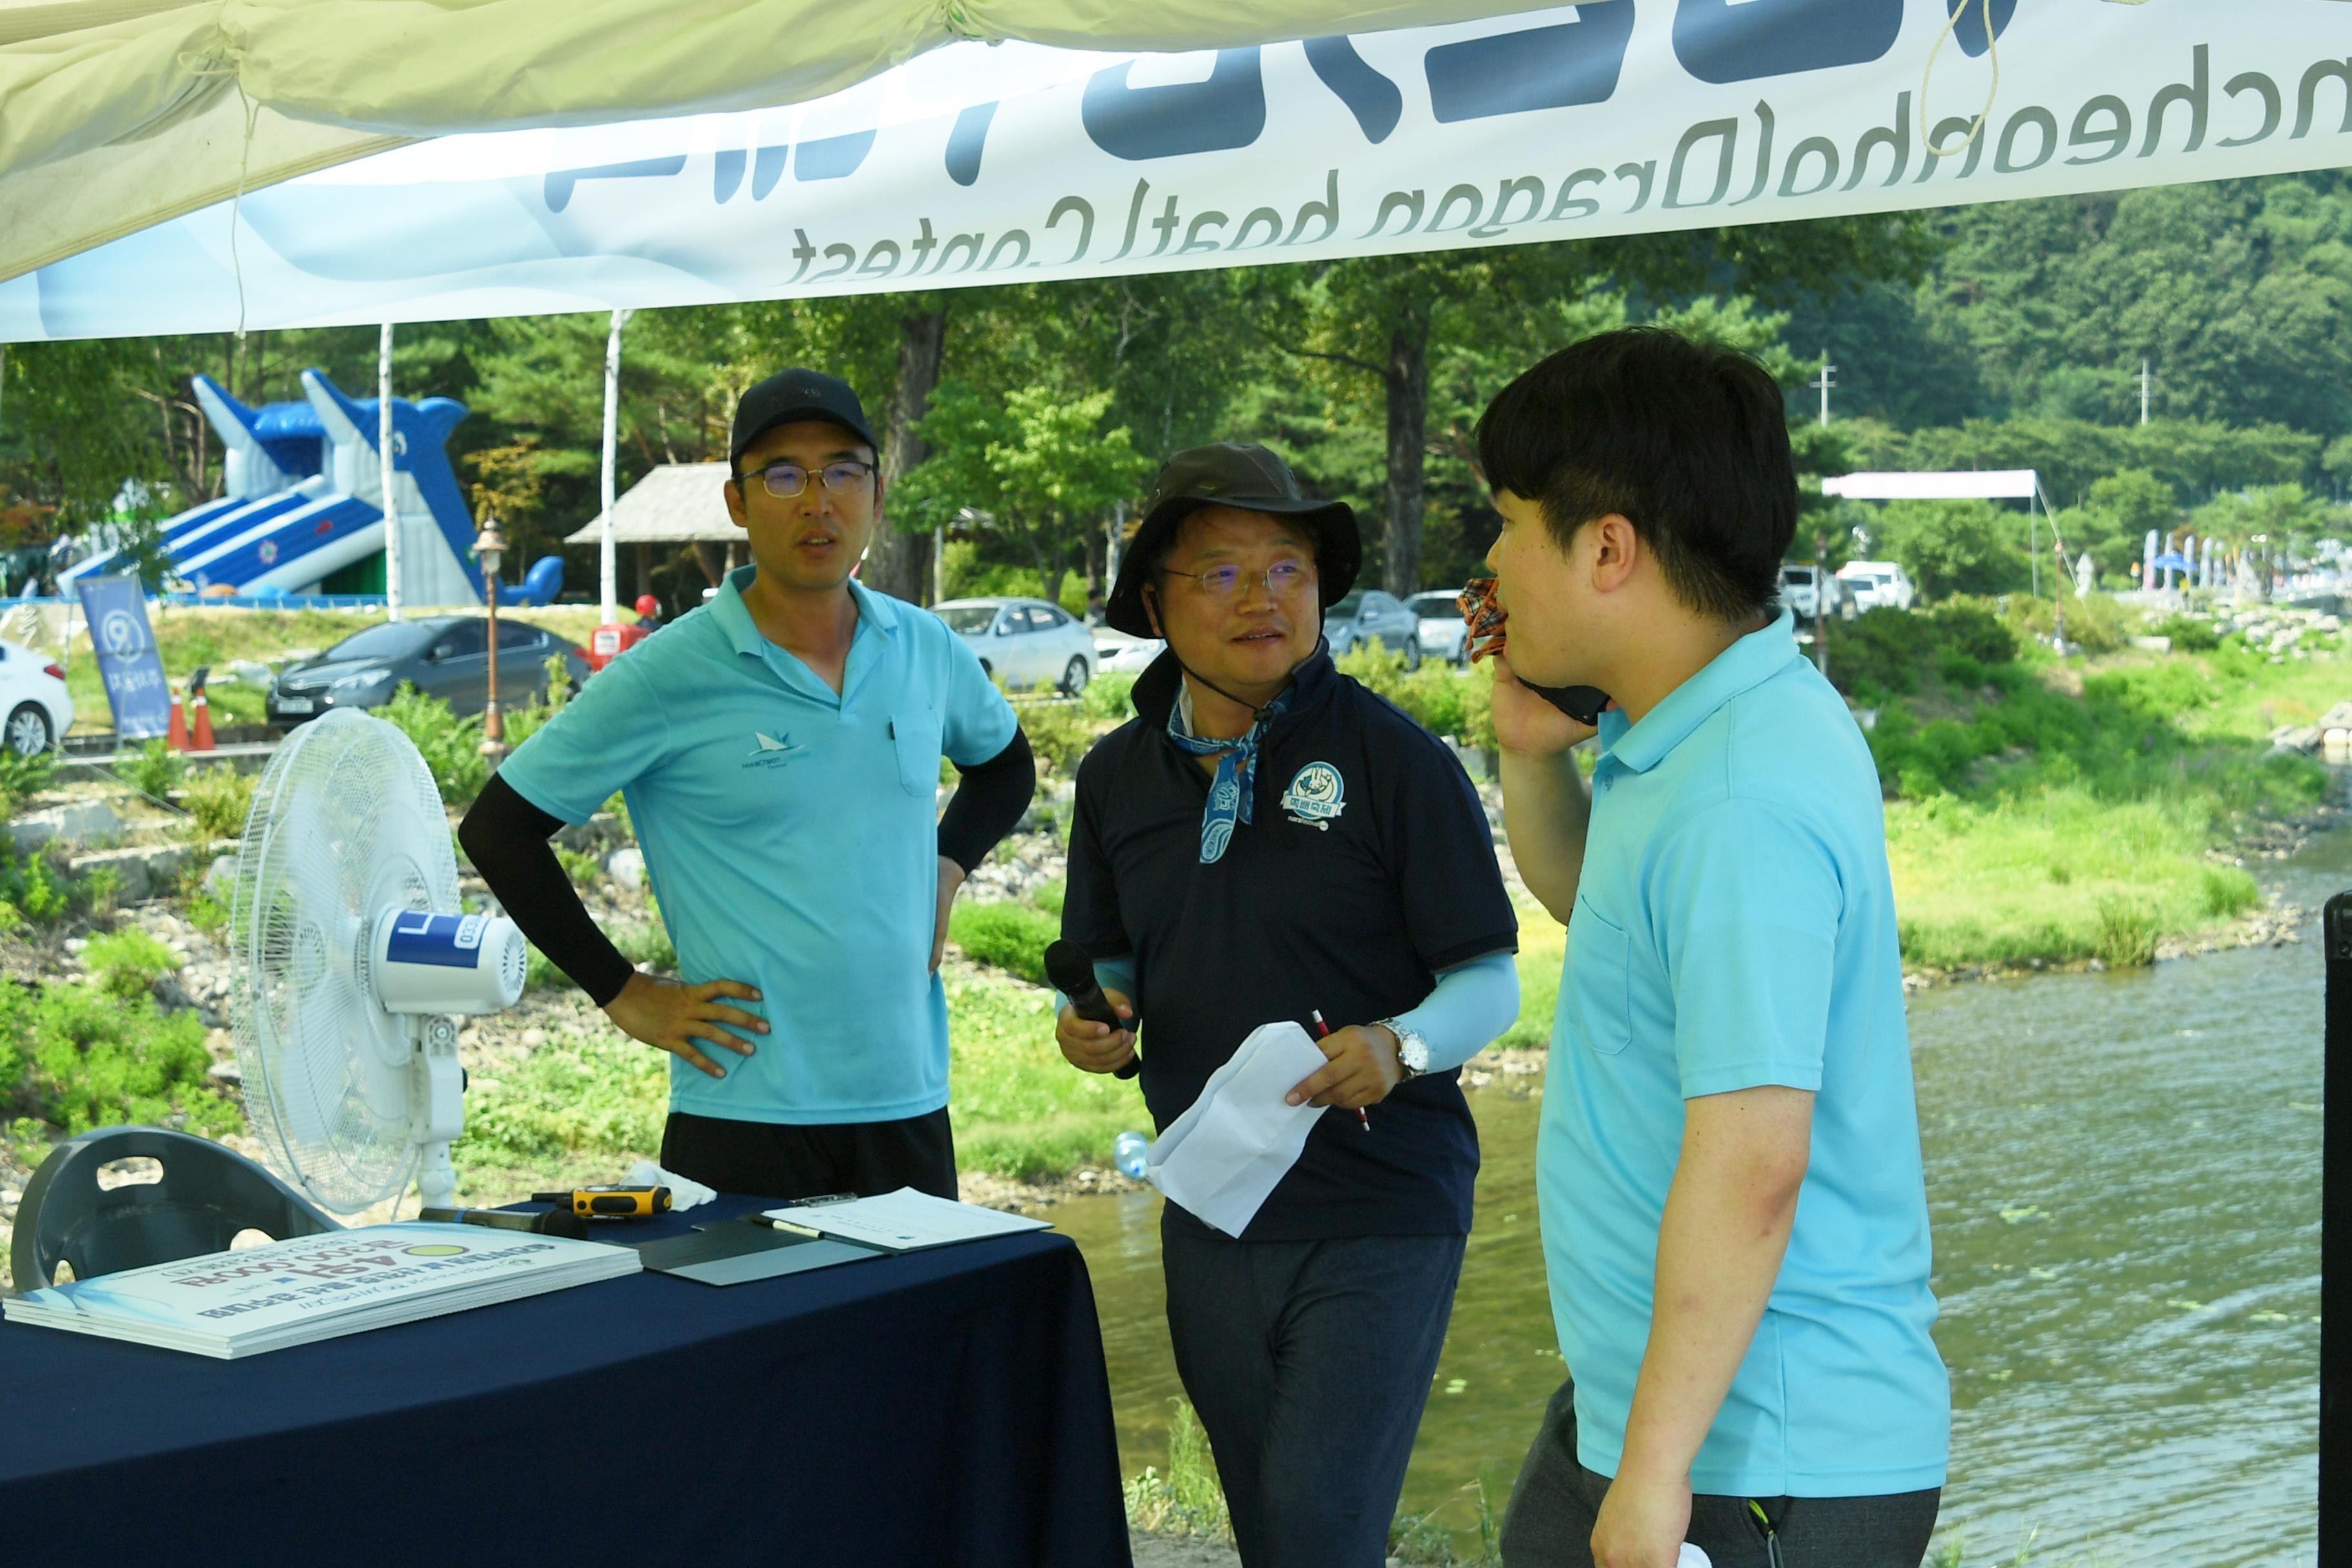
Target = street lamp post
(490,546)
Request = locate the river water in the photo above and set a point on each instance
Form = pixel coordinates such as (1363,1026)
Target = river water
(2124,1174)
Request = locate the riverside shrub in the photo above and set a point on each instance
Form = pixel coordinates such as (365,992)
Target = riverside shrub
(449,743)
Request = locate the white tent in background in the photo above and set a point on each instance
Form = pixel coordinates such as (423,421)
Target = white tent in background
(1961,484)
(1968,484)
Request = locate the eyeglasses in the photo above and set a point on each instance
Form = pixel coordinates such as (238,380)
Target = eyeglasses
(785,480)
(1282,579)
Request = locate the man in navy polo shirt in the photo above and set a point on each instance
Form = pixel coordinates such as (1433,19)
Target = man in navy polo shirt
(779,750)
(1735,1220)
(1268,840)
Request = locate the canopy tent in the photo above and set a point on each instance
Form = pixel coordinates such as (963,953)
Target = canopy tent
(677,503)
(974,164)
(1988,484)
(1969,484)
(121,113)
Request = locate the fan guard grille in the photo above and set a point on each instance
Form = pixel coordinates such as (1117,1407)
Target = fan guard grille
(346,824)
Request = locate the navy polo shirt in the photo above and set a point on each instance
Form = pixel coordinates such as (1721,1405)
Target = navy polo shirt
(791,834)
(1349,912)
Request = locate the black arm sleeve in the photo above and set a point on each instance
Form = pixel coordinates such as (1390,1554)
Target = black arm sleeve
(987,805)
(506,837)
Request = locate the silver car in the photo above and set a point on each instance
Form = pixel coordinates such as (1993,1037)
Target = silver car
(1024,643)
(1369,617)
(1443,633)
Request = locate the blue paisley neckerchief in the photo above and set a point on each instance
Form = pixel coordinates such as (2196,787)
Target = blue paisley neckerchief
(1231,791)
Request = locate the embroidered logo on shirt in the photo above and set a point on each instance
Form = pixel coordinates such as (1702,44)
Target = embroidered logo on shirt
(767,752)
(1316,796)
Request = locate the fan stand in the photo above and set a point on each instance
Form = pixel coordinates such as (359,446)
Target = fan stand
(438,1099)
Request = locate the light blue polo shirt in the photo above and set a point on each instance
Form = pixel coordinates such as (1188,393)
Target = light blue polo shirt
(791,837)
(1734,927)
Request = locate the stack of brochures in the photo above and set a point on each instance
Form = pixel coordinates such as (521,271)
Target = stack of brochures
(903,1221)
(231,1304)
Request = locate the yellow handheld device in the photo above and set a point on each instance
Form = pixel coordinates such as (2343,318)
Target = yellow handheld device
(610,1202)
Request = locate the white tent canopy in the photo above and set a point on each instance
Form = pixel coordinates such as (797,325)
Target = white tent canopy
(116,114)
(974,164)
(1989,484)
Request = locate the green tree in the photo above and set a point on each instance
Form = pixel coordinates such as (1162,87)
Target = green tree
(1950,547)
(2115,520)
(1041,467)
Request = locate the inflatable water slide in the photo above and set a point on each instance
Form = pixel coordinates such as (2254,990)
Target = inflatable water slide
(303,500)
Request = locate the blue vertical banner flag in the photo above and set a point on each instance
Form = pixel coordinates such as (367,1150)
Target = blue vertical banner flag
(127,656)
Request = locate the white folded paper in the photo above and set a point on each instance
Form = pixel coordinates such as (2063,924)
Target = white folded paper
(685,1192)
(1224,1155)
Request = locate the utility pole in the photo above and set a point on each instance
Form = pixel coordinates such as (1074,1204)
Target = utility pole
(608,591)
(1820,606)
(2144,379)
(390,496)
(1827,379)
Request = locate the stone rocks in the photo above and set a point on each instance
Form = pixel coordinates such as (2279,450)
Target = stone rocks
(627,865)
(144,871)
(79,822)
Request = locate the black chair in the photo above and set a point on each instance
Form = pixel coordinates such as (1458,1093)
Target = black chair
(209,1193)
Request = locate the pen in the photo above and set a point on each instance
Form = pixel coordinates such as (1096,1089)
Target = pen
(1323,1031)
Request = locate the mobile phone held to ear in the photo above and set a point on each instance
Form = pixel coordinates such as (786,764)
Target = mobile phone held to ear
(1485,616)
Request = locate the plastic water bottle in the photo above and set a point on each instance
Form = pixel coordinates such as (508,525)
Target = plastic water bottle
(1128,1151)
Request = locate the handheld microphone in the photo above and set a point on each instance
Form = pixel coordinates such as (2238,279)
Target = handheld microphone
(1073,974)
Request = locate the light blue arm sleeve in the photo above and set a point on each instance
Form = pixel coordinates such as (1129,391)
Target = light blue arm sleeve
(1472,1004)
(1118,974)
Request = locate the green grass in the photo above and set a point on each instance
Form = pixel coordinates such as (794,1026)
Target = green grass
(2027,821)
(1017,1107)
(1009,936)
(2060,877)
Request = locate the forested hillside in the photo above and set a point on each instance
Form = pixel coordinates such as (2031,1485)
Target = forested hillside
(1020,418)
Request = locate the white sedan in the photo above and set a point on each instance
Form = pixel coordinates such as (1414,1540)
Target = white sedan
(1120,653)
(1444,633)
(1024,643)
(33,697)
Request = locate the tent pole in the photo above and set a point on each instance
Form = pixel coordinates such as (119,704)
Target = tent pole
(384,473)
(608,593)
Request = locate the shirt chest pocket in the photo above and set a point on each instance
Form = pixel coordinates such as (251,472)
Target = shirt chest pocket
(915,736)
(1599,987)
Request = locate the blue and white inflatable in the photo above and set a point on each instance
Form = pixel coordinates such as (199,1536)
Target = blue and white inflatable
(305,500)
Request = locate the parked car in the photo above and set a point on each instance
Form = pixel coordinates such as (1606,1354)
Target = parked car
(1802,588)
(1367,617)
(448,657)
(1024,643)
(33,695)
(1876,585)
(1441,631)
(1118,652)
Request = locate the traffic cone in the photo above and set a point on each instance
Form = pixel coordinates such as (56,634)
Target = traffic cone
(200,714)
(177,736)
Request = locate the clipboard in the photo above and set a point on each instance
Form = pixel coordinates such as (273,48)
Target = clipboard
(736,1252)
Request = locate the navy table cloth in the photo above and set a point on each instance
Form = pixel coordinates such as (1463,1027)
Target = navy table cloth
(948,1407)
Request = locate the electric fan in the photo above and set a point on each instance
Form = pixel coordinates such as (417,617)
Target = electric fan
(350,958)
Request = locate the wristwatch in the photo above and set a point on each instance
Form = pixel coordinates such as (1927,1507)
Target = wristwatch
(1412,1051)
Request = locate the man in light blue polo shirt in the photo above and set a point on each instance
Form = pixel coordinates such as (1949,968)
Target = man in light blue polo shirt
(1734,1217)
(779,750)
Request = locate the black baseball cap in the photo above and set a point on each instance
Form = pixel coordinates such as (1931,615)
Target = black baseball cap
(795,394)
(1237,474)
